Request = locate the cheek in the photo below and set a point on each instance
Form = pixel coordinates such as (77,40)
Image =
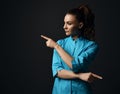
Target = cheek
(71,29)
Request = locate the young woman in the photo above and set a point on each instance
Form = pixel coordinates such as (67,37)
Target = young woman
(73,54)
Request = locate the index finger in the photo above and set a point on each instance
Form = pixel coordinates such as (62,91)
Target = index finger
(45,37)
(97,76)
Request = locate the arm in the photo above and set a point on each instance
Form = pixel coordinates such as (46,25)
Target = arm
(64,55)
(58,69)
(65,74)
(78,62)
(88,77)
(83,59)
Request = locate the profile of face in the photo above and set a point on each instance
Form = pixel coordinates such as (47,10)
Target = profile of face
(71,24)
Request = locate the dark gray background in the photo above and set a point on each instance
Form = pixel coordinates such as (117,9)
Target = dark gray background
(25,64)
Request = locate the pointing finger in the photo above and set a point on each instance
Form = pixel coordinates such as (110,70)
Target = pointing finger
(45,37)
(97,76)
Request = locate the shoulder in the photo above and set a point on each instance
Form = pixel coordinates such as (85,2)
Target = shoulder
(62,41)
(90,43)
(94,43)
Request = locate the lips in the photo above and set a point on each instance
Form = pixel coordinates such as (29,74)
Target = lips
(66,31)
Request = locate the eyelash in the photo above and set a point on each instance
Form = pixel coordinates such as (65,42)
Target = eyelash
(69,23)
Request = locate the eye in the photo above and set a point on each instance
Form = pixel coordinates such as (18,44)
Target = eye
(69,23)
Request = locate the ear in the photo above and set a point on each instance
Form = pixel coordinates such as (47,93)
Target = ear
(81,25)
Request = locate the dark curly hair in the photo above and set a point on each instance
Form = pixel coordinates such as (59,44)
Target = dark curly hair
(84,14)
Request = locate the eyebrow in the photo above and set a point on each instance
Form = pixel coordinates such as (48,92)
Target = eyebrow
(68,21)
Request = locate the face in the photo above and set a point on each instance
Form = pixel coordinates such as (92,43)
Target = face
(70,24)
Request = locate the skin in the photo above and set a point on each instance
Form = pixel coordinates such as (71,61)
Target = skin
(70,24)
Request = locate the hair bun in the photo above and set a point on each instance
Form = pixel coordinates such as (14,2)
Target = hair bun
(84,8)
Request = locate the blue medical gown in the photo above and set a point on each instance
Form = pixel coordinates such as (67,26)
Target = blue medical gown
(83,51)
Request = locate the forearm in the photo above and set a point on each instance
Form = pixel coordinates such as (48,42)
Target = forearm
(65,74)
(88,77)
(64,55)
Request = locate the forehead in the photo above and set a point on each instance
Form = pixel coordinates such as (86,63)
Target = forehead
(70,17)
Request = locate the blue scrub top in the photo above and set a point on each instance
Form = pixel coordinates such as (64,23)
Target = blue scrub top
(83,51)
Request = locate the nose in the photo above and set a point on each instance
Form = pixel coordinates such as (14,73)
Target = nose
(65,26)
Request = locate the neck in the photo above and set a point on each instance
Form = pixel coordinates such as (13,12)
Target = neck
(75,37)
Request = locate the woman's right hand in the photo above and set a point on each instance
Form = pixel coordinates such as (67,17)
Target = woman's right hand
(88,77)
(49,42)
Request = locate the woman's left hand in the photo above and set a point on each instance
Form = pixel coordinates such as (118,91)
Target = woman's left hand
(88,77)
(49,43)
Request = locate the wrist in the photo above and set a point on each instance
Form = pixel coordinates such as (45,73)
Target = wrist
(76,76)
(56,46)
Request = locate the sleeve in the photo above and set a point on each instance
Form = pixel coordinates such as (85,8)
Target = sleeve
(56,62)
(83,59)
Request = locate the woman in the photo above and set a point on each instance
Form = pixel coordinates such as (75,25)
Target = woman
(73,54)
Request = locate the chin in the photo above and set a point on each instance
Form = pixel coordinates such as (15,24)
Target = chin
(67,34)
